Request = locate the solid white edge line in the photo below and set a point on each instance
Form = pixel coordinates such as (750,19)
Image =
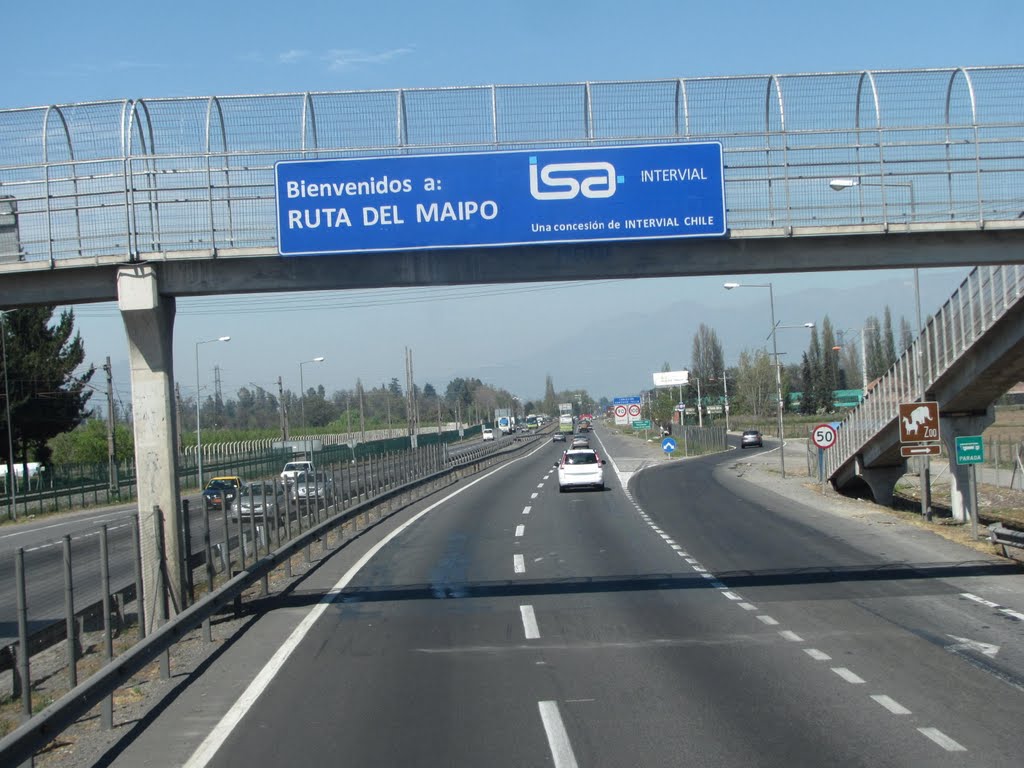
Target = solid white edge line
(848,676)
(891,704)
(518,564)
(520,530)
(216,738)
(942,740)
(558,739)
(530,628)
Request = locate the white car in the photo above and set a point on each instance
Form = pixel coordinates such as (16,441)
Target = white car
(295,468)
(488,433)
(580,468)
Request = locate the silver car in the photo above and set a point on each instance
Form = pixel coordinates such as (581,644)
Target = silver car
(253,498)
(313,488)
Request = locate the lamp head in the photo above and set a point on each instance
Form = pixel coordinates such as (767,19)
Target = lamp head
(840,184)
(224,338)
(730,286)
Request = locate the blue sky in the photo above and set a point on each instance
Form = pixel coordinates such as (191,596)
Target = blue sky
(74,52)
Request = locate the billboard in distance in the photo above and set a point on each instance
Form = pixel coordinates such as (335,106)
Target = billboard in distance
(671,378)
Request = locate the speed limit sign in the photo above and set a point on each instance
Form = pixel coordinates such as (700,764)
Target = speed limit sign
(823,436)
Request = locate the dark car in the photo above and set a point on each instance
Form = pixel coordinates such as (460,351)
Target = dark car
(751,437)
(221,488)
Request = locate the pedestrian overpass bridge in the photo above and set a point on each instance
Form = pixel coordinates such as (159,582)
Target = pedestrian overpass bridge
(145,200)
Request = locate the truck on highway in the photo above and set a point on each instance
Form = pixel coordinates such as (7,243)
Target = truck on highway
(565,423)
(503,420)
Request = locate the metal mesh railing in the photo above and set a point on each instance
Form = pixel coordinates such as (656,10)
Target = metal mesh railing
(982,299)
(915,147)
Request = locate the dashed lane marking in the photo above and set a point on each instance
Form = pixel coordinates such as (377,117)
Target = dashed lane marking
(558,739)
(850,677)
(518,564)
(530,628)
(790,635)
(520,530)
(943,740)
(891,704)
(817,655)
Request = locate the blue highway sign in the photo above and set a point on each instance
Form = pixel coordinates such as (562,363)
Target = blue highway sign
(409,202)
(668,445)
(626,401)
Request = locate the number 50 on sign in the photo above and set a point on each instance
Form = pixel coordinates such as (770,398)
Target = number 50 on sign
(824,436)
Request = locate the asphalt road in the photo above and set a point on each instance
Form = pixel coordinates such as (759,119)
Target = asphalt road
(695,620)
(42,541)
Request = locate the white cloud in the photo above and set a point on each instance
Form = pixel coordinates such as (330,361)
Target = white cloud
(292,56)
(340,59)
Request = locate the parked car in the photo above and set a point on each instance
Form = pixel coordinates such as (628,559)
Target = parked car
(254,496)
(221,489)
(313,487)
(293,468)
(488,433)
(581,467)
(751,437)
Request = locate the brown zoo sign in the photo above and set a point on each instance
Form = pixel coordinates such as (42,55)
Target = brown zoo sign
(919,422)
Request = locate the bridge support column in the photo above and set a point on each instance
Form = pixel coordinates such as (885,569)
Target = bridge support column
(881,480)
(954,426)
(149,323)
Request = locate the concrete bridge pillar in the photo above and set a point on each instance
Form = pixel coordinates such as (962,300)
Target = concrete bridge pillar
(149,323)
(881,480)
(954,426)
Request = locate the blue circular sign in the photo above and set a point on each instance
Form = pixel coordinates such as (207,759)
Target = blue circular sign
(668,445)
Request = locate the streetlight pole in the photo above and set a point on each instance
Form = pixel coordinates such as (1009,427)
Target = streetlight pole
(199,431)
(778,373)
(11,480)
(302,390)
(925,466)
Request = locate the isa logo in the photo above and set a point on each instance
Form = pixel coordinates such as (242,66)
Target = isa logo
(566,181)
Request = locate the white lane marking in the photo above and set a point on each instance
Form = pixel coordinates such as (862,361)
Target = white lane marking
(540,485)
(216,738)
(546,476)
(518,564)
(767,620)
(526,510)
(665,536)
(691,561)
(732,595)
(817,655)
(530,628)
(848,676)
(533,496)
(699,568)
(558,739)
(708,575)
(748,607)
(943,740)
(1007,611)
(520,530)
(85,519)
(790,635)
(676,547)
(891,704)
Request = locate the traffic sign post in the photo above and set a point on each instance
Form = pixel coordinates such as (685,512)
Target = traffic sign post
(641,424)
(668,445)
(971,451)
(824,436)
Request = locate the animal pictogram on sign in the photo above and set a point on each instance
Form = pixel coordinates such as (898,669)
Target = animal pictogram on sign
(919,422)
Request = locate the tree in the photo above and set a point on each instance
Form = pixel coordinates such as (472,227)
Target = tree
(888,340)
(755,385)
(874,351)
(708,361)
(46,397)
(906,335)
(830,376)
(550,403)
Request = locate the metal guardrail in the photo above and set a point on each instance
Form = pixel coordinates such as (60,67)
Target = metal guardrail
(927,147)
(985,295)
(1012,541)
(22,743)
